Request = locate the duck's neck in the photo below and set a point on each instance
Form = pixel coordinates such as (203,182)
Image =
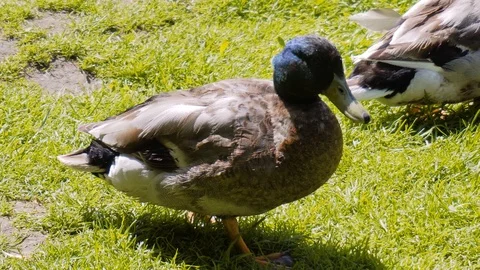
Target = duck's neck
(294,88)
(292,99)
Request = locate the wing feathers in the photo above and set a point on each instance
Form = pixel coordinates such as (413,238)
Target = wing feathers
(169,120)
(428,25)
(378,19)
(184,118)
(151,121)
(414,64)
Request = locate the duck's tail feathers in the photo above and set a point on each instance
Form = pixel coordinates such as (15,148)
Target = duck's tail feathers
(378,19)
(96,158)
(79,160)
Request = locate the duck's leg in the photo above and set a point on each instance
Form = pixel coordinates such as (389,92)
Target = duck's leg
(413,109)
(193,218)
(231,225)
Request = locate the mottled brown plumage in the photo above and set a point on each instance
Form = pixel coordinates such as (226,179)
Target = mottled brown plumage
(231,148)
(269,148)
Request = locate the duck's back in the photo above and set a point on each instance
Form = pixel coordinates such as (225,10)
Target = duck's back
(430,57)
(227,148)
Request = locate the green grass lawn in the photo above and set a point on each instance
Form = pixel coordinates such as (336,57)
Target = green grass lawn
(405,196)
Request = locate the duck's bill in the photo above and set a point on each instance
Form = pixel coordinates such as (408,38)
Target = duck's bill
(340,95)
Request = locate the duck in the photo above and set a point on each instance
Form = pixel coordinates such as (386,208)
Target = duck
(236,147)
(430,56)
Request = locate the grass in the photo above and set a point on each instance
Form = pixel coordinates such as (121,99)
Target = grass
(405,196)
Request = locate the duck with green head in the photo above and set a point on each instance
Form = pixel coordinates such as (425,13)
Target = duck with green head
(231,148)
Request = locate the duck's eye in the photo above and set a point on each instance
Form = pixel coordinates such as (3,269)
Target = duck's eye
(341,90)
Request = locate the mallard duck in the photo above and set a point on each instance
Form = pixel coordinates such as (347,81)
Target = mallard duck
(236,147)
(431,56)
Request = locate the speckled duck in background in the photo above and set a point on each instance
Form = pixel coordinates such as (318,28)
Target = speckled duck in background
(232,148)
(430,56)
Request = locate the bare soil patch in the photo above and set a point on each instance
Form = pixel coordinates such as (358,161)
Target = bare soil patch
(53,23)
(22,242)
(64,77)
(7,48)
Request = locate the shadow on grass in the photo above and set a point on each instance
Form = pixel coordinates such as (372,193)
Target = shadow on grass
(431,121)
(206,246)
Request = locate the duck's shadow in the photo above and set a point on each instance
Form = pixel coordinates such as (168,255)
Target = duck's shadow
(431,121)
(206,246)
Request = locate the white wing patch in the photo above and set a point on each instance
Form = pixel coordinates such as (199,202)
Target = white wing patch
(414,64)
(361,93)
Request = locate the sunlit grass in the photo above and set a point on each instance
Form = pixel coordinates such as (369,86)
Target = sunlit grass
(406,194)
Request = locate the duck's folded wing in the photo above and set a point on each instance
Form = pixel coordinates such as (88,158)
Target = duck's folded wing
(160,115)
(432,31)
(182,122)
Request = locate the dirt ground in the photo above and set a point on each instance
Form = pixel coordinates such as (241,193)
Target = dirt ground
(7,48)
(53,23)
(22,242)
(62,77)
